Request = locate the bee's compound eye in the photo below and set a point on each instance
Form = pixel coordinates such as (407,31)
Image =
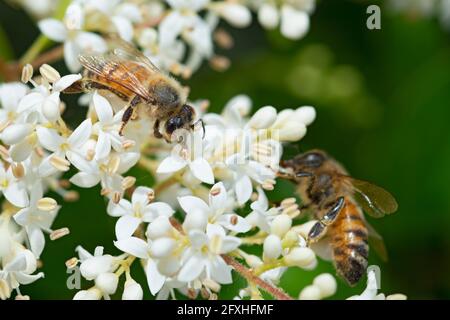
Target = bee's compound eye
(173,124)
(312,159)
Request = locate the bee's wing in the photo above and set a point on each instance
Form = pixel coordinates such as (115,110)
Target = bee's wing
(108,67)
(375,201)
(125,50)
(376,242)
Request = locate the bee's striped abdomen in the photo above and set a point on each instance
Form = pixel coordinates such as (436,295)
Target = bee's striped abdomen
(349,242)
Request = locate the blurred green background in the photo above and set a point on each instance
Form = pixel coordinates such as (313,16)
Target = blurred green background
(383,103)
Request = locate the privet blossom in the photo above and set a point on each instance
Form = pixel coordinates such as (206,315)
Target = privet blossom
(190,230)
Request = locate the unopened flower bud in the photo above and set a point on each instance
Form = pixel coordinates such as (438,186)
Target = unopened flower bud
(311,292)
(160,227)
(294,23)
(306,115)
(91,294)
(162,247)
(268,16)
(94,266)
(326,284)
(132,291)
(280,225)
(107,282)
(300,257)
(263,118)
(292,131)
(235,14)
(272,247)
(51,109)
(253,261)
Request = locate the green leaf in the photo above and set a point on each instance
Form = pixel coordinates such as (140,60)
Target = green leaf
(6,52)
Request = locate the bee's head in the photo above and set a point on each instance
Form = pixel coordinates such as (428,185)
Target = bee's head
(180,120)
(304,164)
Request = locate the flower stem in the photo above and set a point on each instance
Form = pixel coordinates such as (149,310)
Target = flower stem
(42,41)
(252,278)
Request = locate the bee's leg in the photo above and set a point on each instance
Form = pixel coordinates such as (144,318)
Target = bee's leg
(320,227)
(129,112)
(156,132)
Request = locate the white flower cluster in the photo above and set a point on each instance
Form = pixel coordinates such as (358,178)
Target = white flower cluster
(424,8)
(236,154)
(176,34)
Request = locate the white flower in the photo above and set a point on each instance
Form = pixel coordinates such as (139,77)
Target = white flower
(203,255)
(12,188)
(245,170)
(10,95)
(218,211)
(184,21)
(293,15)
(122,15)
(107,128)
(62,147)
(107,172)
(18,270)
(139,210)
(189,154)
(36,220)
(143,250)
(99,268)
(44,99)
(262,216)
(70,32)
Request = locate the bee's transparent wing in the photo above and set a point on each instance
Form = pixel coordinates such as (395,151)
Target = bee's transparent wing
(375,201)
(127,51)
(376,242)
(108,67)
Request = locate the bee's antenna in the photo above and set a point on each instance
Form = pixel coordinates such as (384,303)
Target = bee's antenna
(203,126)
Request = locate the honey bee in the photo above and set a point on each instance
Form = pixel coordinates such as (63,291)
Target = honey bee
(132,77)
(338,201)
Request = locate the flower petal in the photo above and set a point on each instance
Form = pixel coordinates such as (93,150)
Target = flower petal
(49,138)
(80,135)
(53,29)
(193,267)
(155,280)
(171,164)
(126,226)
(103,146)
(85,180)
(244,189)
(16,194)
(202,170)
(155,210)
(66,82)
(134,246)
(102,108)
(191,204)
